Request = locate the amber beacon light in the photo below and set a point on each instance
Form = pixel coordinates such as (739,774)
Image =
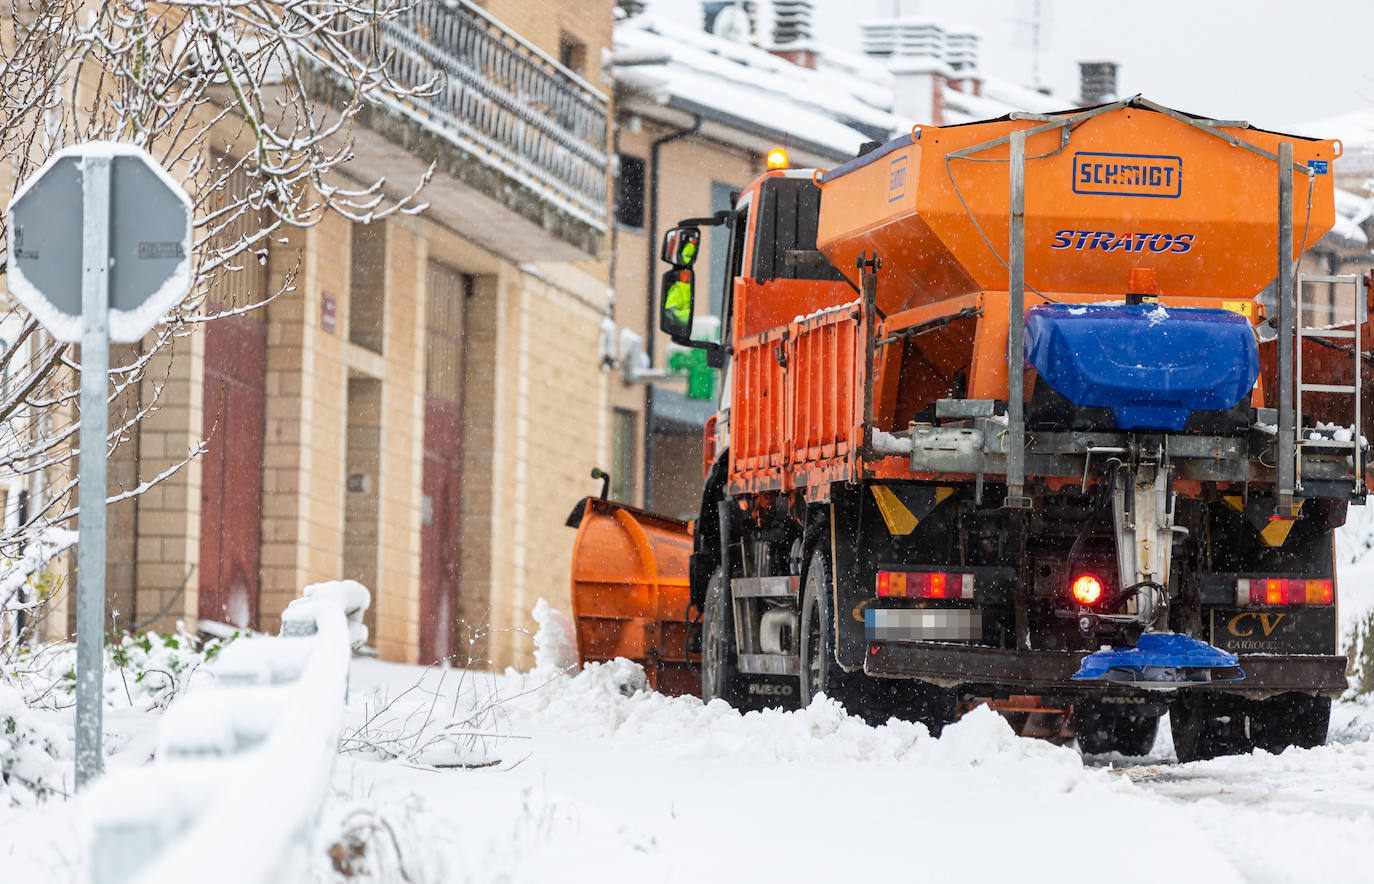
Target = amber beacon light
(777,158)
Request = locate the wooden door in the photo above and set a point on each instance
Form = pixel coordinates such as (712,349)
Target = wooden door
(234,424)
(442,473)
(231,470)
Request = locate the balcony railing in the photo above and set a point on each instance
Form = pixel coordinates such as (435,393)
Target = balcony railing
(501,95)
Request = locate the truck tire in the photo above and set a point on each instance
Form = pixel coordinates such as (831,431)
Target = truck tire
(1290,719)
(1101,731)
(720,679)
(911,699)
(1208,727)
(820,673)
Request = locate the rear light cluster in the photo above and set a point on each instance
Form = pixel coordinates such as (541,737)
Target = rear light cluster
(1284,591)
(1087,589)
(924,585)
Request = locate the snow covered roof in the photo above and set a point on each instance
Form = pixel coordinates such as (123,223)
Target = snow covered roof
(1356,133)
(1354,129)
(829,112)
(1353,216)
(998,98)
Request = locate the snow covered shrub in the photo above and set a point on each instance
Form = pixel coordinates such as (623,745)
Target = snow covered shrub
(32,753)
(1359,651)
(376,842)
(1355,570)
(145,669)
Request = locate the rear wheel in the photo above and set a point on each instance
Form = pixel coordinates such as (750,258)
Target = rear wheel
(1290,720)
(1208,727)
(720,679)
(1102,730)
(911,699)
(820,673)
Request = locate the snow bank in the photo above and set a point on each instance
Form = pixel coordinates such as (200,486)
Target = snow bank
(611,701)
(34,753)
(555,642)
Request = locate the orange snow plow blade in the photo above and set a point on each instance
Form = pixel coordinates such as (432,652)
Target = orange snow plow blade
(630,591)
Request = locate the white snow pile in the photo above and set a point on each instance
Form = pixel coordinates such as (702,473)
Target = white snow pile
(611,701)
(826,311)
(34,753)
(1337,432)
(886,443)
(555,642)
(1157,315)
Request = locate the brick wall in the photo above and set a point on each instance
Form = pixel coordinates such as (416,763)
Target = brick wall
(550,427)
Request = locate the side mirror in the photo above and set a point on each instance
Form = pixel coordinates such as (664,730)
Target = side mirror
(680,246)
(675,319)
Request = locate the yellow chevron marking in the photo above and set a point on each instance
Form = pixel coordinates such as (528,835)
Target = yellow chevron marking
(898,518)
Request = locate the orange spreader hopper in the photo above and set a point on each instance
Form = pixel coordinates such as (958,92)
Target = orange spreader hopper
(629,591)
(1140,186)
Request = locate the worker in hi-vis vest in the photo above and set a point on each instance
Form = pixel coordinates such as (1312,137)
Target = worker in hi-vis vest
(679,300)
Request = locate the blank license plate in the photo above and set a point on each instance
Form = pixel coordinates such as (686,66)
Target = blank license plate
(923,625)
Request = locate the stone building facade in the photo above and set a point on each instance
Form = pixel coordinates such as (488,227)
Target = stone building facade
(419,403)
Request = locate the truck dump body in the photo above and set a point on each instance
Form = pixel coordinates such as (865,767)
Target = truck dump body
(1134,187)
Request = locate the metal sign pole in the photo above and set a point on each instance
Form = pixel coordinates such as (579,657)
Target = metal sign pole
(90,554)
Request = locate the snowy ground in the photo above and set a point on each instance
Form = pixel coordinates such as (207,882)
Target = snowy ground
(586,783)
(646,788)
(452,776)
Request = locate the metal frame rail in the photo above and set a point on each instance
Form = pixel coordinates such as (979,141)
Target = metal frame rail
(245,763)
(1352,389)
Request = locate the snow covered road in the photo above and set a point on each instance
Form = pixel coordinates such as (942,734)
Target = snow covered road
(583,778)
(610,787)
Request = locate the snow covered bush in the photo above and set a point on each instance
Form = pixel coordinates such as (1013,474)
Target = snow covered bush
(149,669)
(33,753)
(1355,567)
(144,669)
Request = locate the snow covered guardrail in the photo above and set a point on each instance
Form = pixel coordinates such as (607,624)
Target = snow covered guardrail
(242,767)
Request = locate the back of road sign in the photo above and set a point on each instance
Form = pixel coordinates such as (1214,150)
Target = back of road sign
(149,244)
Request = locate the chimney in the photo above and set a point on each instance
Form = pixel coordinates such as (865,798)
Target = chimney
(792,32)
(1097,82)
(926,59)
(791,21)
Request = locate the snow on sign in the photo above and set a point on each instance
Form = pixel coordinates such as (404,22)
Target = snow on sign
(149,241)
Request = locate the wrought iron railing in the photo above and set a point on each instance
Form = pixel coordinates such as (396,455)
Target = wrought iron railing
(501,95)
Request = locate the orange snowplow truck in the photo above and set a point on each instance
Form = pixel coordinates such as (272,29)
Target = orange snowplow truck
(1032,407)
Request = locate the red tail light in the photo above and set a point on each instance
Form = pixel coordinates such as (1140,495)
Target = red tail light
(924,585)
(1284,591)
(1087,589)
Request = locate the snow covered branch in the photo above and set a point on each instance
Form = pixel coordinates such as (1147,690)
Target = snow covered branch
(251,106)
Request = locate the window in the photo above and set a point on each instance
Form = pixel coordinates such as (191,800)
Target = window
(629,201)
(572,53)
(721,200)
(367,291)
(622,454)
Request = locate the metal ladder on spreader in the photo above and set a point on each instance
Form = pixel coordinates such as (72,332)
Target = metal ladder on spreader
(1343,335)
